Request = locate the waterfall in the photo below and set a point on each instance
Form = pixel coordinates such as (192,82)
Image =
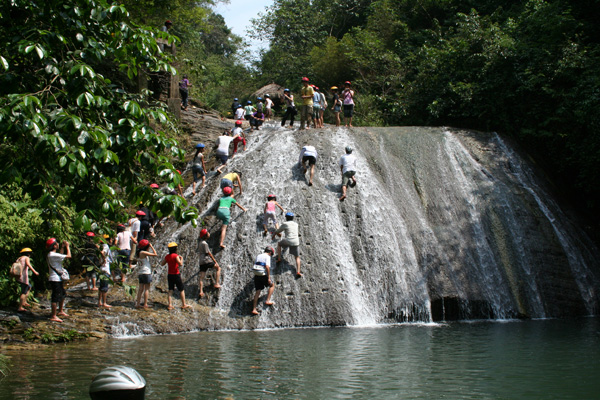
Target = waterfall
(442,225)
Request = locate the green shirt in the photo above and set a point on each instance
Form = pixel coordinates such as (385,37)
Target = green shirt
(226,202)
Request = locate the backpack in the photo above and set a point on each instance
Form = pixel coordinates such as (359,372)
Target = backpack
(16,269)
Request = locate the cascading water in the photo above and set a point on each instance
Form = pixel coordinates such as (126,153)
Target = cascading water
(442,225)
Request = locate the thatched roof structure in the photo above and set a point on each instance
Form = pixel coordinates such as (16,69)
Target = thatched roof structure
(274,91)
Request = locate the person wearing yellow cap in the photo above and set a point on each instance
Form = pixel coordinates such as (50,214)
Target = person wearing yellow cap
(337,105)
(174,261)
(24,260)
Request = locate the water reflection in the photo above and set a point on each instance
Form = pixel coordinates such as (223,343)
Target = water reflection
(535,359)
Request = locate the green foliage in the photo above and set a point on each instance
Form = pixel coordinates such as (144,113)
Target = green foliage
(4,365)
(64,337)
(74,134)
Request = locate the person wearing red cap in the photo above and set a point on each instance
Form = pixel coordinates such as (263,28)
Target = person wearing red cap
(270,213)
(224,211)
(144,269)
(348,100)
(307,93)
(207,260)
(238,136)
(56,276)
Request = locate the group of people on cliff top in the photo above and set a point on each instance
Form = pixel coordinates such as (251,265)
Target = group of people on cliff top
(108,260)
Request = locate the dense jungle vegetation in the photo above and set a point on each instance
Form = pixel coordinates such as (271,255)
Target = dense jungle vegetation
(80,143)
(526,69)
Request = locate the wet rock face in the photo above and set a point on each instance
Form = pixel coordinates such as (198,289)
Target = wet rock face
(442,225)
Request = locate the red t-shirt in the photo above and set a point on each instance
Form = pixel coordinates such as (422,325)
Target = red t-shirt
(172,263)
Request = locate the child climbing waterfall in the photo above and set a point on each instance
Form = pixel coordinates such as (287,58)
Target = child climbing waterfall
(207,260)
(269,213)
(198,167)
(224,212)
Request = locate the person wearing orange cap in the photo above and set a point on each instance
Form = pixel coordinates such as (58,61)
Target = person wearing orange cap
(307,93)
(24,260)
(174,261)
(270,213)
(207,260)
(57,275)
(348,100)
(224,211)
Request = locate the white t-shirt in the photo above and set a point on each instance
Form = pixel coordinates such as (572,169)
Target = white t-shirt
(269,103)
(239,113)
(135,226)
(308,151)
(223,145)
(107,258)
(124,240)
(260,269)
(348,162)
(237,131)
(55,260)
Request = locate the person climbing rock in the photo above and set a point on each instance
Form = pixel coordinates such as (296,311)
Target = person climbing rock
(184,86)
(222,152)
(268,107)
(290,111)
(348,170)
(224,211)
(337,105)
(348,100)
(238,137)
(25,261)
(198,167)
(270,212)
(262,278)
(291,240)
(308,155)
(207,261)
(232,180)
(57,275)
(174,261)
(144,270)
(307,93)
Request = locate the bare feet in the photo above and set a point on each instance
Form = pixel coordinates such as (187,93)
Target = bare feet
(193,193)
(146,306)
(269,303)
(186,306)
(299,275)
(217,286)
(21,309)
(310,183)
(138,306)
(200,295)
(343,197)
(170,307)
(26,305)
(63,314)
(222,246)
(106,306)
(56,319)
(254,312)
(95,288)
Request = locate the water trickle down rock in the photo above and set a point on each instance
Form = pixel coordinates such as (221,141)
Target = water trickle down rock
(439,227)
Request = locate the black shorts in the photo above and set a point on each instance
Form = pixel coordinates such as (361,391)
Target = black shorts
(123,256)
(348,110)
(175,280)
(103,283)
(25,288)
(311,160)
(261,282)
(147,278)
(205,267)
(58,292)
(223,158)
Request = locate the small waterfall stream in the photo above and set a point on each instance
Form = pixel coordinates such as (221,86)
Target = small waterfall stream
(442,225)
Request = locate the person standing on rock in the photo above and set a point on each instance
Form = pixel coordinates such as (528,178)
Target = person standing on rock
(222,152)
(348,100)
(268,107)
(184,85)
(249,110)
(23,280)
(290,111)
(174,261)
(262,277)
(307,93)
(291,240)
(224,211)
(57,274)
(123,242)
(198,167)
(308,155)
(239,113)
(207,260)
(348,170)
(234,106)
(145,251)
(104,277)
(337,105)
(316,114)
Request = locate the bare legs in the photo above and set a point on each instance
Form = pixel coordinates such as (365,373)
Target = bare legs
(257,296)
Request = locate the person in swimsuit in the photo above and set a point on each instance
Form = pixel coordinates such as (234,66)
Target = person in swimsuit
(348,99)
(224,211)
(269,212)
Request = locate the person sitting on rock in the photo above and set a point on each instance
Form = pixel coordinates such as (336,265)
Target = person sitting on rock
(174,261)
(262,277)
(207,260)
(348,169)
(256,120)
(224,211)
(291,240)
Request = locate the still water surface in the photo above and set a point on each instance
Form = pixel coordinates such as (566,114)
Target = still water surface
(553,359)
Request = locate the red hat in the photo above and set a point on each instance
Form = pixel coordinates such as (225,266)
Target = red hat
(304,79)
(90,234)
(154,186)
(227,190)
(203,233)
(347,83)
(140,213)
(168,22)
(50,242)
(238,122)
(143,243)
(316,88)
